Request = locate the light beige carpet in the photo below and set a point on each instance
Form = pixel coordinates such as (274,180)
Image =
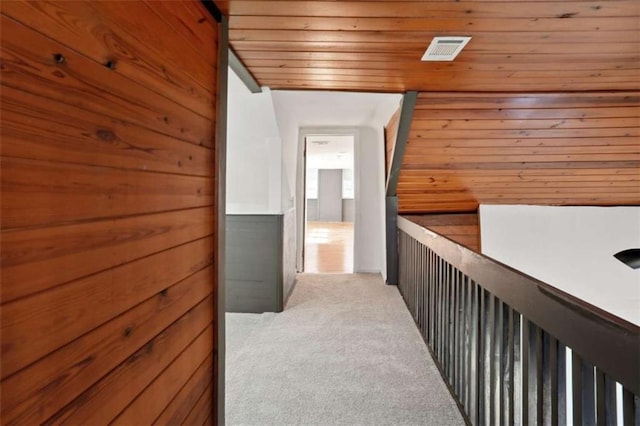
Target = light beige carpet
(344,352)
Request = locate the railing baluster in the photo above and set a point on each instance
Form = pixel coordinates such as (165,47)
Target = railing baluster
(499,359)
(507,366)
(526,393)
(474,367)
(438,309)
(482,359)
(562,384)
(588,396)
(550,379)
(441,311)
(445,320)
(600,397)
(519,384)
(431,297)
(630,409)
(470,324)
(450,299)
(454,323)
(459,332)
(423,281)
(464,355)
(493,360)
(448,303)
(535,374)
(576,387)
(610,402)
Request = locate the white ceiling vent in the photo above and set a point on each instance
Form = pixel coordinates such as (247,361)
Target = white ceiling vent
(445,48)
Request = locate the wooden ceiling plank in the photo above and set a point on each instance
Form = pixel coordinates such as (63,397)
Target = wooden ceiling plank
(533,142)
(462,23)
(632,56)
(520,114)
(432,9)
(525,124)
(524,165)
(417,48)
(373,37)
(612,170)
(425,68)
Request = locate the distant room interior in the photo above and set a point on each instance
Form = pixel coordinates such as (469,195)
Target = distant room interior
(330,205)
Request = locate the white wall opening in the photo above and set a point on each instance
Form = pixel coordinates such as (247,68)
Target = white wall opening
(329,206)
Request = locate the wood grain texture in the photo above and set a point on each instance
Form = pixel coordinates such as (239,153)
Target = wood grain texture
(38,128)
(117,389)
(63,193)
(37,325)
(108,229)
(85,28)
(466,149)
(55,380)
(377,45)
(180,407)
(28,63)
(463,228)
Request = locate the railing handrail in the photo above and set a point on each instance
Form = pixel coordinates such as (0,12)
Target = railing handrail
(602,339)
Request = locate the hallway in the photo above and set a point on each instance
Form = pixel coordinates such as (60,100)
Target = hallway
(344,351)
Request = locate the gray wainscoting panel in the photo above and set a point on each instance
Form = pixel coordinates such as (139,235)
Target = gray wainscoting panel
(260,261)
(288,254)
(253,256)
(348,210)
(312,209)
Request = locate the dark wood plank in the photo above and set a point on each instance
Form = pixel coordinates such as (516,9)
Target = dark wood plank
(40,128)
(202,410)
(180,407)
(154,398)
(37,259)
(37,392)
(104,400)
(35,326)
(28,64)
(92,193)
(79,26)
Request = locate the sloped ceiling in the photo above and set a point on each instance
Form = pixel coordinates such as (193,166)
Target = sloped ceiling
(541,107)
(519,46)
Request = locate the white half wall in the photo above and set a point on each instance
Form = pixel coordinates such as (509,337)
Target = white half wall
(570,248)
(254,151)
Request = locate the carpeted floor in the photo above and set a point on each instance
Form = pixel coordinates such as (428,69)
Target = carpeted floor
(344,352)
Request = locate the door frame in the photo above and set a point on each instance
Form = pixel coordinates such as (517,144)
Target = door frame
(301,169)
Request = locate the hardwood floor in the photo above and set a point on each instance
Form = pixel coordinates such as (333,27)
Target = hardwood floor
(329,247)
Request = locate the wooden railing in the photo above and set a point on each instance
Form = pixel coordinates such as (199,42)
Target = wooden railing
(512,349)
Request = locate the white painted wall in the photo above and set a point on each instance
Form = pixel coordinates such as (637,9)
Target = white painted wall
(254,151)
(570,248)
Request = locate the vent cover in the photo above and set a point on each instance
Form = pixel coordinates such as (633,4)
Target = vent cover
(445,48)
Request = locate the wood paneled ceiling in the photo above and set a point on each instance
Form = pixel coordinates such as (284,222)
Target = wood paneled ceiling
(521,131)
(466,149)
(522,46)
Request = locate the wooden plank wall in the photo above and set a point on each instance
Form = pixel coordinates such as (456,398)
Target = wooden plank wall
(463,228)
(108,212)
(390,136)
(549,149)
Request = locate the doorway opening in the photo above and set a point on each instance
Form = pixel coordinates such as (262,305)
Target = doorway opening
(329,204)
